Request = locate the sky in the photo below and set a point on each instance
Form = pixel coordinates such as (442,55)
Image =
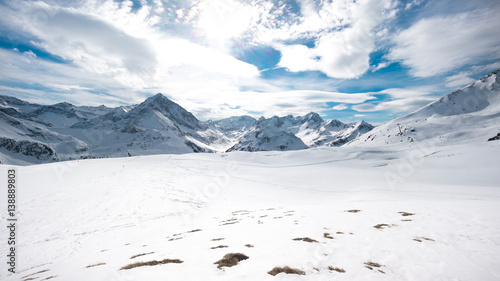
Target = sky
(351,60)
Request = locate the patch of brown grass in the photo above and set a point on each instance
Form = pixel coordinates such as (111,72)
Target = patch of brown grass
(339,232)
(336,269)
(50,277)
(97,264)
(191,231)
(230,260)
(219,247)
(405,220)
(150,263)
(353,211)
(419,239)
(370,265)
(233,222)
(175,238)
(41,271)
(287,270)
(140,255)
(305,239)
(382,226)
(218,239)
(406,214)
(249,245)
(327,235)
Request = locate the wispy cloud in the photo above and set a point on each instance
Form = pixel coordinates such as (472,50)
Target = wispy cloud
(436,45)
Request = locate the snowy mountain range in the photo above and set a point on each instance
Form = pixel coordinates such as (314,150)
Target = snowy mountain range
(466,115)
(33,133)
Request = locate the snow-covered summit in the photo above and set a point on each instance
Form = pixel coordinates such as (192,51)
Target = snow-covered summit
(469,114)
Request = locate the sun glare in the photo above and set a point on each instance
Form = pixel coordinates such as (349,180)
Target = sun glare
(224,19)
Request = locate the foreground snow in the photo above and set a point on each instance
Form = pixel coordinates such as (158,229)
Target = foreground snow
(82,213)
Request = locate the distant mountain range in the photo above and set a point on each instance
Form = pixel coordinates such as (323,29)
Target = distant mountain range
(33,133)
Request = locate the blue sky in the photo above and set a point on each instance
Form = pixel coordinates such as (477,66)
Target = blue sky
(345,59)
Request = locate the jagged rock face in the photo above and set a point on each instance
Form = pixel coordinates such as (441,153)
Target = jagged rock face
(34,149)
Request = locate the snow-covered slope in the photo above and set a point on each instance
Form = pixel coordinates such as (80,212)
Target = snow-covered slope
(471,114)
(292,133)
(232,127)
(268,135)
(44,133)
(87,219)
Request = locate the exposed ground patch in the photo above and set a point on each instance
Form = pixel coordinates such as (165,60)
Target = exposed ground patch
(230,260)
(32,274)
(96,264)
(288,270)
(406,214)
(420,239)
(353,211)
(219,247)
(373,265)
(140,255)
(305,239)
(383,226)
(150,263)
(331,268)
(327,235)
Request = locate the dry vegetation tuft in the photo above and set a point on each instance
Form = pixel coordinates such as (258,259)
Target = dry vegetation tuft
(305,239)
(150,263)
(327,235)
(249,245)
(97,264)
(353,211)
(406,214)
(196,230)
(219,247)
(41,271)
(230,259)
(370,265)
(336,269)
(140,255)
(218,239)
(277,270)
(419,239)
(382,226)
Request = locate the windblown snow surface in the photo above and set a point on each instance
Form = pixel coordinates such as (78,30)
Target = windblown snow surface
(420,212)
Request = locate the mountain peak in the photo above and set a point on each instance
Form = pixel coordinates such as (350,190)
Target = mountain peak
(313,116)
(156,98)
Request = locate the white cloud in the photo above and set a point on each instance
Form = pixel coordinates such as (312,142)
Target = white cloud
(398,105)
(340,107)
(439,44)
(399,99)
(457,80)
(345,40)
(223,19)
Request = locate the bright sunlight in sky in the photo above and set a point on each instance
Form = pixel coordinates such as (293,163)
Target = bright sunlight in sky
(345,59)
